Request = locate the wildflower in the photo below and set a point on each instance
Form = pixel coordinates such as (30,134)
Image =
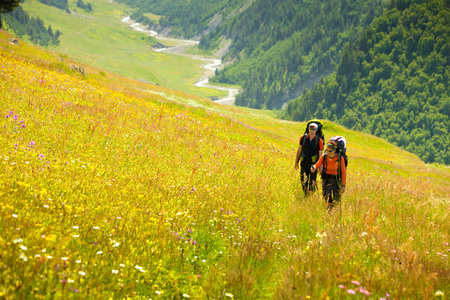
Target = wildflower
(49,257)
(158,292)
(64,258)
(23,247)
(186,296)
(32,143)
(23,126)
(341,286)
(16,241)
(439,293)
(351,292)
(14,215)
(115,271)
(355,282)
(122,265)
(75,227)
(364,291)
(96,227)
(100,252)
(82,273)
(229,295)
(78,261)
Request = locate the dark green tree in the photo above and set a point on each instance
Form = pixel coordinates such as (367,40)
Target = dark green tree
(7,6)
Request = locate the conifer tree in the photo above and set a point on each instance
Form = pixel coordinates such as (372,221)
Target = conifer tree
(7,6)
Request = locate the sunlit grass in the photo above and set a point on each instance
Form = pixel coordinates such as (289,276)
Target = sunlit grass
(113,188)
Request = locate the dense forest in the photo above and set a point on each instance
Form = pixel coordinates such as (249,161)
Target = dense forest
(61,4)
(22,25)
(278,45)
(393,82)
(184,18)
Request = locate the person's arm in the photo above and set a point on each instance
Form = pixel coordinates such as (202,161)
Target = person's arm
(297,157)
(320,147)
(343,174)
(320,152)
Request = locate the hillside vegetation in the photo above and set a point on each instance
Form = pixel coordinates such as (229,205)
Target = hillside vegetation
(278,45)
(394,82)
(113,188)
(186,19)
(101,39)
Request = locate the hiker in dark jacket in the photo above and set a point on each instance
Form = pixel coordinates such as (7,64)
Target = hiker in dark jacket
(309,150)
(334,177)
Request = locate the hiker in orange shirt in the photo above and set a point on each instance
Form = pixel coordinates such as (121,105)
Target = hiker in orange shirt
(333,179)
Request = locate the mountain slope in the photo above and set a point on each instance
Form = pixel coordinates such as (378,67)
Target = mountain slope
(110,187)
(186,19)
(101,39)
(278,45)
(394,82)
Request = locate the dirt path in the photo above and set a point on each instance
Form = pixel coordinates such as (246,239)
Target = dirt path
(180,48)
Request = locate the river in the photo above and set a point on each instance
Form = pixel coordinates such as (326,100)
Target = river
(210,66)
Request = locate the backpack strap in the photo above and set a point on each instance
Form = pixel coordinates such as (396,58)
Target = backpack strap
(339,169)
(324,169)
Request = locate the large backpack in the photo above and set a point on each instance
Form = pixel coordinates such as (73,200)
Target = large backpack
(319,133)
(342,148)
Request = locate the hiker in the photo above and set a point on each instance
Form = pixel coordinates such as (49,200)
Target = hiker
(333,180)
(309,150)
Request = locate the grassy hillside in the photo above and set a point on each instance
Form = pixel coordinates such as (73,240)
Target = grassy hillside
(110,187)
(100,39)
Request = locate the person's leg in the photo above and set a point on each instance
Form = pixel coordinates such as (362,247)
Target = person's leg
(335,193)
(326,190)
(305,178)
(312,181)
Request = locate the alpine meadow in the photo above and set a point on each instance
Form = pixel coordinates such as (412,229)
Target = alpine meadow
(112,188)
(120,178)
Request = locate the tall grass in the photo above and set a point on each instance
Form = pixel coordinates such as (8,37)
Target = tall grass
(109,189)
